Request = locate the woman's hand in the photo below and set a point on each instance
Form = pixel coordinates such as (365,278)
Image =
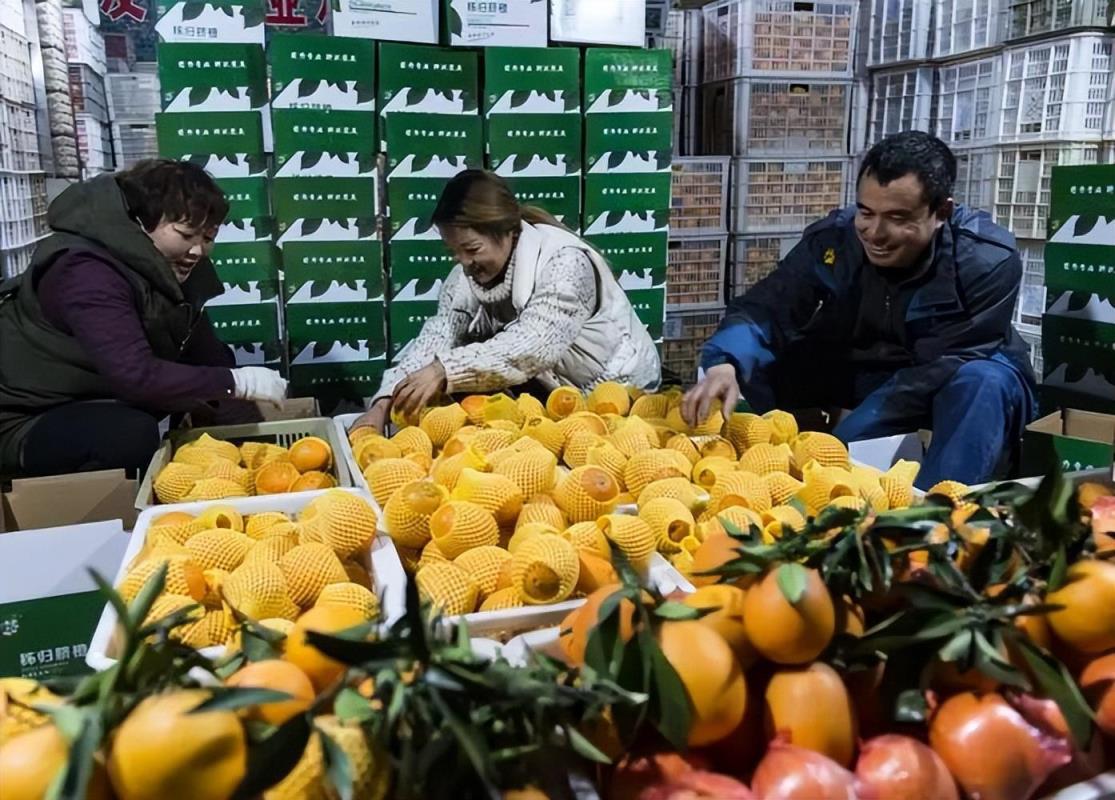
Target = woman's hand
(419,389)
(375,417)
(720,384)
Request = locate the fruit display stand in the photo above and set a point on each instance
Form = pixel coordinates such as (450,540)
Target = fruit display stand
(283,433)
(381,561)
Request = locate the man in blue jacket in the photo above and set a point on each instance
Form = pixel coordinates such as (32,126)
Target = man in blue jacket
(898,308)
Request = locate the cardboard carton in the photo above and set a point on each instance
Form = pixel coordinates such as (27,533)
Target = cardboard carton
(316,72)
(259,354)
(217,133)
(323,198)
(595,22)
(246,323)
(1078,329)
(399,20)
(534,144)
(354,379)
(410,206)
(628,80)
(336,320)
(320,265)
(632,252)
(520,80)
(491,23)
(417,258)
(324,143)
(258,230)
(561,196)
(246,262)
(650,306)
(618,138)
(212,77)
(316,229)
(1077,440)
(211,21)
(60,500)
(427,80)
(415,141)
(407,319)
(610,194)
(248,198)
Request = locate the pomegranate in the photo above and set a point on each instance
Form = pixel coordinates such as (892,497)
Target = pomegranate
(900,768)
(795,773)
(636,773)
(699,785)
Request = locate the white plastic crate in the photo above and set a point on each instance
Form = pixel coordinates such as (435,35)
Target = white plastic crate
(133,96)
(13,262)
(901,100)
(1021,18)
(16,85)
(133,142)
(786,194)
(683,336)
(1022,179)
(764,37)
(975,177)
(755,257)
(899,31)
(687,121)
(682,38)
(699,196)
(94,144)
(84,43)
(961,26)
(1031,294)
(19,138)
(1058,90)
(695,273)
(381,561)
(87,92)
(966,102)
(1033,339)
(752,116)
(12,17)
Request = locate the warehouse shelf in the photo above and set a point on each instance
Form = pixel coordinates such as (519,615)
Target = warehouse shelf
(699,196)
(966,103)
(764,37)
(755,257)
(1021,18)
(901,100)
(683,335)
(961,26)
(786,194)
(695,273)
(753,116)
(900,31)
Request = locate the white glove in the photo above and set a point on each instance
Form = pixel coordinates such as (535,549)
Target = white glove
(259,383)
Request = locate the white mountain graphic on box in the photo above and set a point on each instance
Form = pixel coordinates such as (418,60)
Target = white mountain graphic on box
(339,353)
(1096,310)
(249,355)
(1093,383)
(438,167)
(240,230)
(409,230)
(326,95)
(539,167)
(629,223)
(433,101)
(1102,233)
(632,162)
(215,100)
(222,166)
(235,296)
(536,103)
(410,291)
(328,165)
(336,293)
(631,101)
(328,230)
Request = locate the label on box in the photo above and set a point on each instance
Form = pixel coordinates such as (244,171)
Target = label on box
(327,230)
(48,637)
(398,20)
(211,21)
(259,229)
(650,306)
(247,198)
(323,198)
(352,379)
(222,133)
(490,23)
(521,80)
(1085,197)
(595,22)
(340,321)
(560,196)
(407,319)
(609,193)
(1077,341)
(614,136)
(324,143)
(244,262)
(522,138)
(632,252)
(1079,267)
(245,324)
(212,77)
(608,70)
(414,141)
(322,72)
(317,271)
(427,80)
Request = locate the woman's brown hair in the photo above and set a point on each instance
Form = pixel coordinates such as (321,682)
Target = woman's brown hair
(158,189)
(483,201)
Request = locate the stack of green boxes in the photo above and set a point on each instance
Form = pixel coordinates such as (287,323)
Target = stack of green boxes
(628,148)
(214,97)
(325,195)
(430,129)
(1078,328)
(532,108)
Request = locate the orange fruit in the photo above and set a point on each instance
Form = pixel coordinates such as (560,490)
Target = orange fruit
(1085,622)
(715,551)
(1097,680)
(712,678)
(579,622)
(321,670)
(812,704)
(312,481)
(727,619)
(163,752)
(30,761)
(789,633)
(563,401)
(311,454)
(279,676)
(276,477)
(173,518)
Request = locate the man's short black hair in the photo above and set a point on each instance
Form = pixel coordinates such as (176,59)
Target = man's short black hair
(917,153)
(160,189)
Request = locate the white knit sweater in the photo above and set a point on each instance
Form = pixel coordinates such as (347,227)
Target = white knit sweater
(522,346)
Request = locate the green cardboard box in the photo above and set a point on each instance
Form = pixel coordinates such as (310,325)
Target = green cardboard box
(322,72)
(248,198)
(1079,328)
(1074,439)
(49,603)
(620,192)
(492,23)
(324,143)
(561,196)
(409,285)
(245,324)
(1080,249)
(212,77)
(345,379)
(639,278)
(407,319)
(323,198)
(211,21)
(413,141)
(398,20)
(633,252)
(414,265)
(220,133)
(1087,191)
(612,136)
(342,320)
(410,205)
(245,262)
(255,229)
(628,222)
(522,80)
(628,80)
(316,229)
(431,80)
(650,306)
(314,269)
(522,138)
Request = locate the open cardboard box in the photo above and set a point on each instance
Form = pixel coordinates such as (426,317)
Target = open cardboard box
(58,500)
(49,604)
(886,451)
(1078,440)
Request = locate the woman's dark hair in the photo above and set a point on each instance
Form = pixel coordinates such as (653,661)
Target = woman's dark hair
(177,191)
(483,201)
(917,153)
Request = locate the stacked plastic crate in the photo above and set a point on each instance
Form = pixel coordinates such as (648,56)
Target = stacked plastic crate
(133,99)
(325,194)
(85,54)
(682,37)
(22,184)
(213,83)
(628,151)
(430,129)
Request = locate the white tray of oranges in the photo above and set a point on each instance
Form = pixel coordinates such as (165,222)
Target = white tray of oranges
(271,557)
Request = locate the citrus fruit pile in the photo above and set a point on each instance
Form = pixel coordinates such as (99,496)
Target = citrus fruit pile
(213,469)
(268,566)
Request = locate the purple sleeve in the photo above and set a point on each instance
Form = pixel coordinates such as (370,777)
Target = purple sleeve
(89,300)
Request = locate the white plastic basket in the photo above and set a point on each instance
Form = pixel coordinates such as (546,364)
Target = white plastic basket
(902,100)
(1022,178)
(695,273)
(965,25)
(966,103)
(899,31)
(1022,18)
(682,38)
(1031,295)
(755,257)
(786,195)
(975,177)
(699,196)
(341,425)
(683,336)
(382,562)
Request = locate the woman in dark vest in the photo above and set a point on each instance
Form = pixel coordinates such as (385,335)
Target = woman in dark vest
(104,334)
